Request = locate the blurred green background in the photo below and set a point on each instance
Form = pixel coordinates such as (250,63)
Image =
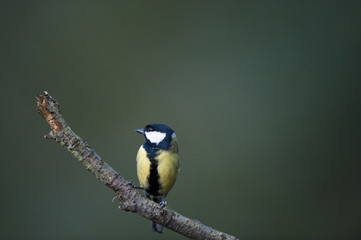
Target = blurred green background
(264,97)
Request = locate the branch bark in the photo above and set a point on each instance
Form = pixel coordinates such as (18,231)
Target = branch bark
(130,199)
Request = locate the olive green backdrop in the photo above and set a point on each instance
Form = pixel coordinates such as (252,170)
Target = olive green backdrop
(264,97)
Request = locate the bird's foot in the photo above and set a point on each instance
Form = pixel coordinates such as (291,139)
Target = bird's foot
(129,182)
(163,204)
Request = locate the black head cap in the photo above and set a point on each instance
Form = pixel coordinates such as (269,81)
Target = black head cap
(157,134)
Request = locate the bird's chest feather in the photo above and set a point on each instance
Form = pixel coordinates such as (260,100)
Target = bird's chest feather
(157,173)
(167,170)
(143,167)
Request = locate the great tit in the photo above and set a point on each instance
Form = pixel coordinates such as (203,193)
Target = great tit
(157,163)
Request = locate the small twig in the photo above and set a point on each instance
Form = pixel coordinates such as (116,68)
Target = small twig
(130,199)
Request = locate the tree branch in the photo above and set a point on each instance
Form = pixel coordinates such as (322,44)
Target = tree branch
(130,199)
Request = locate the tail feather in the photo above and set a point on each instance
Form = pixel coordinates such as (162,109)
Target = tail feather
(158,199)
(157,227)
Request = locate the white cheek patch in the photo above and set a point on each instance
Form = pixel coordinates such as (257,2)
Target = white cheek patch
(155,137)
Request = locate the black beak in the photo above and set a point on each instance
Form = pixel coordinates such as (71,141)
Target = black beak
(140,130)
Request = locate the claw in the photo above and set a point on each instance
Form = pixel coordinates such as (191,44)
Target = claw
(129,182)
(163,204)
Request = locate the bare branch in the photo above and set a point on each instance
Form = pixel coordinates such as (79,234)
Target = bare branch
(130,199)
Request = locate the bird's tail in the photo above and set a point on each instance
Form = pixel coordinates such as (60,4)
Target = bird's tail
(155,226)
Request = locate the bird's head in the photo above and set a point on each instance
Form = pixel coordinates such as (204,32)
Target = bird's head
(158,135)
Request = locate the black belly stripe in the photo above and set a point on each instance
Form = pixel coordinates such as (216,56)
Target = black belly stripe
(153,178)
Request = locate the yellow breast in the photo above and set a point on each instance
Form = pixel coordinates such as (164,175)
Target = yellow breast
(143,167)
(167,170)
(167,167)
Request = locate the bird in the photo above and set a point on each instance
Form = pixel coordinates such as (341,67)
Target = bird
(157,164)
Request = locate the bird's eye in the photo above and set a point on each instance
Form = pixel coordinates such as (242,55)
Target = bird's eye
(150,129)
